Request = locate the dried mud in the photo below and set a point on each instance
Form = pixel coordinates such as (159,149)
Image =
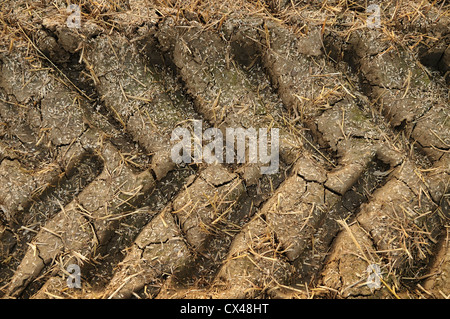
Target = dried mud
(86,176)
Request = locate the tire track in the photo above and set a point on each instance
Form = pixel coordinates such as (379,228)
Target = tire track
(222,236)
(78,142)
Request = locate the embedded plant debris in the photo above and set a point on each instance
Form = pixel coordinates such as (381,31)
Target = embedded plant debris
(359,206)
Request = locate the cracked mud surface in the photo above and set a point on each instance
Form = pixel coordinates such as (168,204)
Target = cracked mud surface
(86,175)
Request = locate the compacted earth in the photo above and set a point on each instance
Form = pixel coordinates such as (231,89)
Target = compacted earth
(91,94)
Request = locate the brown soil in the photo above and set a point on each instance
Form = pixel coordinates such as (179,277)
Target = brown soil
(86,177)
